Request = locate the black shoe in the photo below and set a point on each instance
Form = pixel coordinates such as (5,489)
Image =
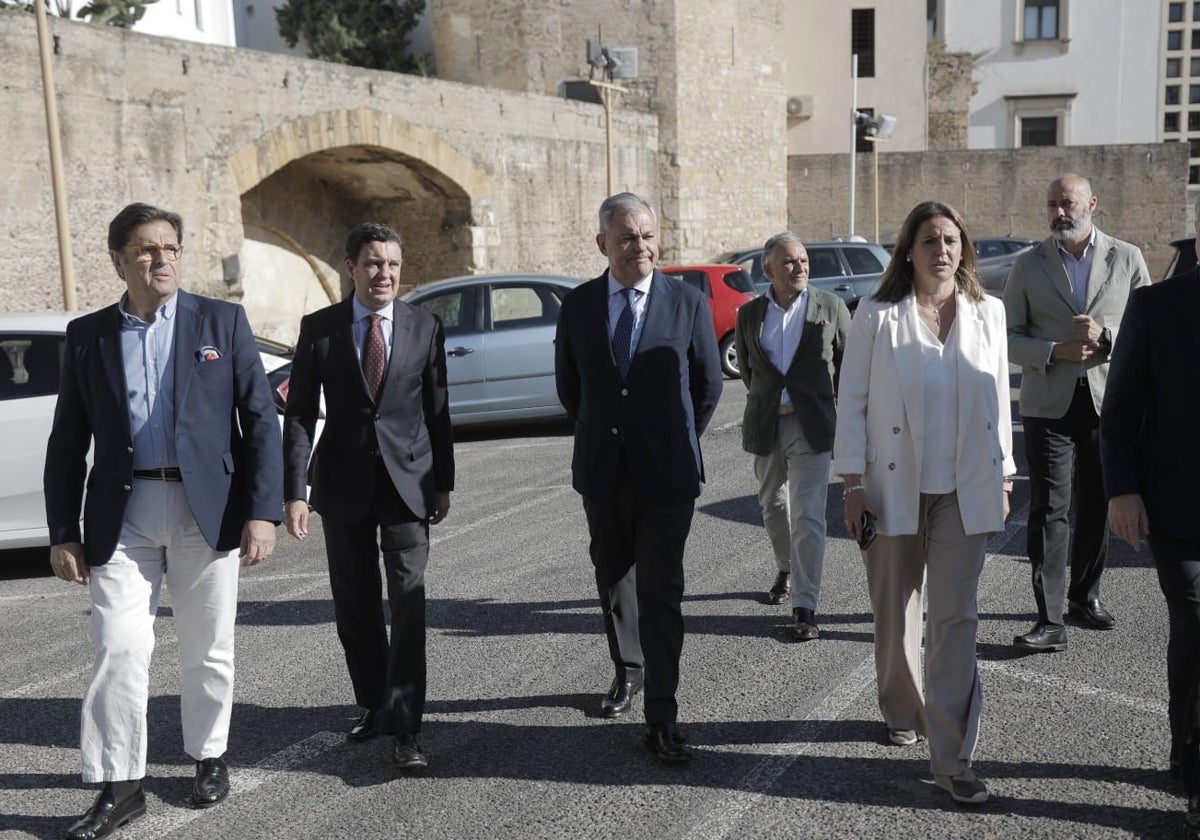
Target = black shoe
(666,744)
(406,753)
(1043,637)
(781,590)
(620,695)
(212,782)
(365,728)
(805,626)
(107,814)
(1091,613)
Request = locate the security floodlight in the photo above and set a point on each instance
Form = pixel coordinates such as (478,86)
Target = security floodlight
(595,53)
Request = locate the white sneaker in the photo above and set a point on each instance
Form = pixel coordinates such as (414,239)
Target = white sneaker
(965,787)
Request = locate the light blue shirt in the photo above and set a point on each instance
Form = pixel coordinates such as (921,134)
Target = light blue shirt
(361,324)
(147,348)
(1078,270)
(616,305)
(781,331)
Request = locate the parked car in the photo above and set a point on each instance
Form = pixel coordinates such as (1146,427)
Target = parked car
(996,257)
(1184,257)
(499,343)
(33,346)
(727,287)
(850,269)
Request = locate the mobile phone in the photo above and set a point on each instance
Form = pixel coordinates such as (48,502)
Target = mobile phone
(866,530)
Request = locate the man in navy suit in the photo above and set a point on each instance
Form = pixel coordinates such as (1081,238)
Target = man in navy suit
(1150,456)
(169,390)
(637,369)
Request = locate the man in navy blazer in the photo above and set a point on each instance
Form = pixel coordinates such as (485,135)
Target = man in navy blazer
(637,369)
(169,391)
(1150,456)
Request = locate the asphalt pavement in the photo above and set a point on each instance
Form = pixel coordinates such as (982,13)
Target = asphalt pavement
(788,738)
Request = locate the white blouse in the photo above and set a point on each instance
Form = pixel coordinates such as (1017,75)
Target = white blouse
(938,371)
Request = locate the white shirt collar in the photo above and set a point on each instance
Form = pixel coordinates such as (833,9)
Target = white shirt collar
(361,311)
(642,285)
(800,298)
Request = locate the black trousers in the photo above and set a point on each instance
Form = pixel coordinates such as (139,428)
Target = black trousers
(387,675)
(1178,563)
(1052,449)
(637,552)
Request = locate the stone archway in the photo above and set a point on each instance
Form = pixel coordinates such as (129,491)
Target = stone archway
(306,183)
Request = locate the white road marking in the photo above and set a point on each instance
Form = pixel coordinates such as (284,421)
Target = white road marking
(1062,684)
(484,521)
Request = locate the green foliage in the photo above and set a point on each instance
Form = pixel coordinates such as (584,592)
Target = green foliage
(364,33)
(122,13)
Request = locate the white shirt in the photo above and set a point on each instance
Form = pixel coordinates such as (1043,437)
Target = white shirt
(939,366)
(616,305)
(361,324)
(781,332)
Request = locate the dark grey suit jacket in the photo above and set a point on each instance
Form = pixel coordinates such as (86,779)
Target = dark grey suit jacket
(811,378)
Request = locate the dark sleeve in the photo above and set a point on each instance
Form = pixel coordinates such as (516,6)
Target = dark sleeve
(839,341)
(262,455)
(66,452)
(741,343)
(705,378)
(1125,395)
(300,415)
(566,370)
(436,406)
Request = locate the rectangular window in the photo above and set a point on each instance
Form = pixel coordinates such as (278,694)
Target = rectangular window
(1194,147)
(862,40)
(1193,120)
(1193,94)
(1171,96)
(1175,40)
(1171,121)
(1196,11)
(1173,68)
(1041,20)
(1174,12)
(861,143)
(1195,67)
(1196,39)
(1194,174)
(1039,131)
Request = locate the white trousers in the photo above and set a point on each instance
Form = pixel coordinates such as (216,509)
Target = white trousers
(159,539)
(793,484)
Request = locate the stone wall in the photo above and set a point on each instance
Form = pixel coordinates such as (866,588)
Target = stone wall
(949,88)
(1142,190)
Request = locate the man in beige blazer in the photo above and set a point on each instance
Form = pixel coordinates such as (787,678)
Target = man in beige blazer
(1064,301)
(789,349)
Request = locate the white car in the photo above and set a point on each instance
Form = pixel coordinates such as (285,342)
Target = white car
(32,348)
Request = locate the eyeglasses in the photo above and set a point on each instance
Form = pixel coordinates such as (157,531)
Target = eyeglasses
(147,253)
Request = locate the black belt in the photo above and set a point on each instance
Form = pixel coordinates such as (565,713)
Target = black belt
(160,474)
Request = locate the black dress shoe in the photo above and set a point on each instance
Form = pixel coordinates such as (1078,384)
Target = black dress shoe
(804,628)
(620,695)
(781,590)
(666,744)
(1043,637)
(1091,613)
(107,814)
(365,728)
(212,782)
(406,753)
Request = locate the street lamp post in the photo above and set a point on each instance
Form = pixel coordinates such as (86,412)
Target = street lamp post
(877,130)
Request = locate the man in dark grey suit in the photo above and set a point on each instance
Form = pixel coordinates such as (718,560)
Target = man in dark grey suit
(637,369)
(789,348)
(381,475)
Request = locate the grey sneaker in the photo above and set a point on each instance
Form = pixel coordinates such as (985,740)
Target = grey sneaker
(965,788)
(903,737)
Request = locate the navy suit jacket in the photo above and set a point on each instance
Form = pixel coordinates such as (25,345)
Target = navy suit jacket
(656,414)
(226,429)
(409,428)
(1148,441)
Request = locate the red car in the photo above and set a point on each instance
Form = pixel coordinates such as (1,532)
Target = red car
(727,287)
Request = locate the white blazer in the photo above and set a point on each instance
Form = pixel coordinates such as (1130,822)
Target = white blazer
(880,412)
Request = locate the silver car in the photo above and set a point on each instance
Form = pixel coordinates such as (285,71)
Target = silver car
(499,343)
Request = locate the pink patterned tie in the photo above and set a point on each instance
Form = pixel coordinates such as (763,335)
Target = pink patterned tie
(374,357)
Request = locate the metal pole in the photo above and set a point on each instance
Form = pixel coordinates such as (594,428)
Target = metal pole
(606,96)
(875,182)
(853,131)
(66,262)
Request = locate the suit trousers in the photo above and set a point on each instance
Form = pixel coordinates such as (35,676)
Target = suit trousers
(159,540)
(793,493)
(637,553)
(1178,563)
(1051,448)
(387,676)
(949,562)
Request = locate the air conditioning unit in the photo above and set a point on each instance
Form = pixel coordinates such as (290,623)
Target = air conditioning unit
(800,107)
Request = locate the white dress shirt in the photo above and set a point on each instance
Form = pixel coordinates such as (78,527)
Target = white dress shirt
(781,332)
(616,305)
(361,324)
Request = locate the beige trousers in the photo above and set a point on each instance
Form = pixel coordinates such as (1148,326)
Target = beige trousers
(949,563)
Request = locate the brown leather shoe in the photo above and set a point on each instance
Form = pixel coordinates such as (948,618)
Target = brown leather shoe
(782,588)
(805,628)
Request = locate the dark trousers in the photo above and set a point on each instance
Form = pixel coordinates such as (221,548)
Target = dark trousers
(1052,448)
(1178,562)
(387,676)
(637,551)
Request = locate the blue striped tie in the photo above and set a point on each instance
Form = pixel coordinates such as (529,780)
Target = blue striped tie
(622,339)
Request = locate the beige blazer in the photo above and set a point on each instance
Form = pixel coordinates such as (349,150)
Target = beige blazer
(881,412)
(1039,306)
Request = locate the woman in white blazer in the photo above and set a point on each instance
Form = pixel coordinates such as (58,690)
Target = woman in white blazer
(924,445)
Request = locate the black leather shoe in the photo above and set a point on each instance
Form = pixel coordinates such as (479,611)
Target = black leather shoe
(805,626)
(212,782)
(1091,614)
(1043,637)
(666,744)
(620,695)
(107,814)
(406,753)
(365,728)
(781,590)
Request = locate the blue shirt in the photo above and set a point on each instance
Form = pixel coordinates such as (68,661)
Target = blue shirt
(362,323)
(147,348)
(616,305)
(1078,270)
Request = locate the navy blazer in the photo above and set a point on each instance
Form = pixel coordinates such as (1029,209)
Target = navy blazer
(226,429)
(409,428)
(1148,441)
(657,413)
